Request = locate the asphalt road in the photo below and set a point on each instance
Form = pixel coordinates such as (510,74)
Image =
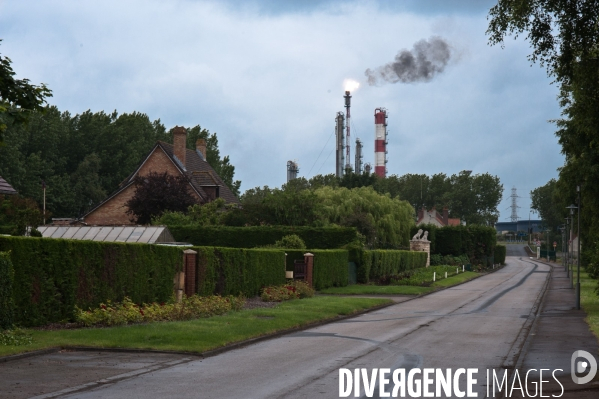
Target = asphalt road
(516,250)
(481,324)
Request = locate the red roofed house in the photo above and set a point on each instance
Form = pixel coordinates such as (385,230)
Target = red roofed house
(5,188)
(204,184)
(434,217)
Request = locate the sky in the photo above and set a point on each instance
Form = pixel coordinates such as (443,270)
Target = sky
(268,77)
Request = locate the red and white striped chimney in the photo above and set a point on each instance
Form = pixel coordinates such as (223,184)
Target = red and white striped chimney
(380,142)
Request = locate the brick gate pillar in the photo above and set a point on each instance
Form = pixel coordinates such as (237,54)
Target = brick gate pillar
(309,261)
(189,267)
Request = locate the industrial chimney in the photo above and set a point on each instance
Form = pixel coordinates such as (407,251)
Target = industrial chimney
(292,170)
(347,142)
(340,143)
(359,156)
(380,142)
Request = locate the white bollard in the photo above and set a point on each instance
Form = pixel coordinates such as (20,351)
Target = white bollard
(434,276)
(445,274)
(457,270)
(462,268)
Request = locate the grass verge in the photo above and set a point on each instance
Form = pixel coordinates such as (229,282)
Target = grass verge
(589,300)
(365,289)
(203,334)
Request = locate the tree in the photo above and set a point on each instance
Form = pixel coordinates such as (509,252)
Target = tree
(18,97)
(19,213)
(563,35)
(546,202)
(156,193)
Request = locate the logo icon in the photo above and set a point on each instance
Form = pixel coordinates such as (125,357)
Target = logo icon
(578,366)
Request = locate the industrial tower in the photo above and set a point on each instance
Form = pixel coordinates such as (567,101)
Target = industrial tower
(380,142)
(292,170)
(359,156)
(340,143)
(347,117)
(514,196)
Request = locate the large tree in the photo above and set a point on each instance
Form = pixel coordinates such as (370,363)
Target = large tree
(18,97)
(564,37)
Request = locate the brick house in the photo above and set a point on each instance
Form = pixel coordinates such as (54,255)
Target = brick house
(204,184)
(436,218)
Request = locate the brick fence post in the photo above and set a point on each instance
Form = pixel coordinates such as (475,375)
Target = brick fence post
(309,261)
(189,266)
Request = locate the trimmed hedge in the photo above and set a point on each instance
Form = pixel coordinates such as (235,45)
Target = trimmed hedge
(331,267)
(231,271)
(7,275)
(477,242)
(52,276)
(388,262)
(256,236)
(500,253)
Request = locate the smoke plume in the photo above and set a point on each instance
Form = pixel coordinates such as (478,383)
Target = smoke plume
(421,64)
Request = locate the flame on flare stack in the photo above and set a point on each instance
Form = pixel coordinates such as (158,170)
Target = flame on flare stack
(380,142)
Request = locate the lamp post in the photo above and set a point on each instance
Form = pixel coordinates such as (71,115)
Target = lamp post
(562,229)
(578,254)
(547,243)
(567,242)
(571,208)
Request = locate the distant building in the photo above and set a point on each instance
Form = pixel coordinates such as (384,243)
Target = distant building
(436,218)
(5,188)
(175,159)
(524,225)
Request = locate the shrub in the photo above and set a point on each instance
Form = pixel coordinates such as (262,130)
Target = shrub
(127,312)
(230,271)
(383,262)
(421,276)
(15,337)
(258,236)
(7,276)
(52,276)
(292,241)
(499,254)
(292,290)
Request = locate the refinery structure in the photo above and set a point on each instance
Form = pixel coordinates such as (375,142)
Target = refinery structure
(343,145)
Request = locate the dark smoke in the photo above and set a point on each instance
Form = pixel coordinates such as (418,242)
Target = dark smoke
(426,59)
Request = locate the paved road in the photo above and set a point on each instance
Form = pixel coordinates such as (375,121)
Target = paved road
(516,250)
(475,325)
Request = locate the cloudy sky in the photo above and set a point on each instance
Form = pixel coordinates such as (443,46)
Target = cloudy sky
(267,76)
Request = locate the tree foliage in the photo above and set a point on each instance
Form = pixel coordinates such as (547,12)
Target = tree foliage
(564,37)
(18,97)
(84,157)
(156,193)
(546,201)
(18,213)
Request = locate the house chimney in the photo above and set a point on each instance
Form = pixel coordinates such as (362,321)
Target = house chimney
(445,216)
(179,142)
(201,147)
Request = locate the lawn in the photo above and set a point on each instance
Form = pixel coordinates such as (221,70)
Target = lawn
(589,300)
(367,289)
(203,334)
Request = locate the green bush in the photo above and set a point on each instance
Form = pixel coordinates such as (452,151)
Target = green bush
(7,276)
(422,276)
(53,276)
(331,267)
(500,253)
(127,312)
(389,262)
(291,241)
(291,290)
(231,271)
(476,242)
(257,236)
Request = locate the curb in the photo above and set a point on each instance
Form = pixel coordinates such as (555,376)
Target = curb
(209,353)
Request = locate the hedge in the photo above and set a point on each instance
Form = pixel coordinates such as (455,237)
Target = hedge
(52,276)
(389,262)
(499,256)
(331,267)
(256,236)
(231,271)
(477,242)
(7,275)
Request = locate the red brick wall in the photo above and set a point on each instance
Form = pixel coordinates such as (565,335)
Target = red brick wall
(114,211)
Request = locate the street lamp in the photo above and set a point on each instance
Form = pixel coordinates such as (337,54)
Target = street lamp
(571,208)
(547,243)
(562,229)
(578,254)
